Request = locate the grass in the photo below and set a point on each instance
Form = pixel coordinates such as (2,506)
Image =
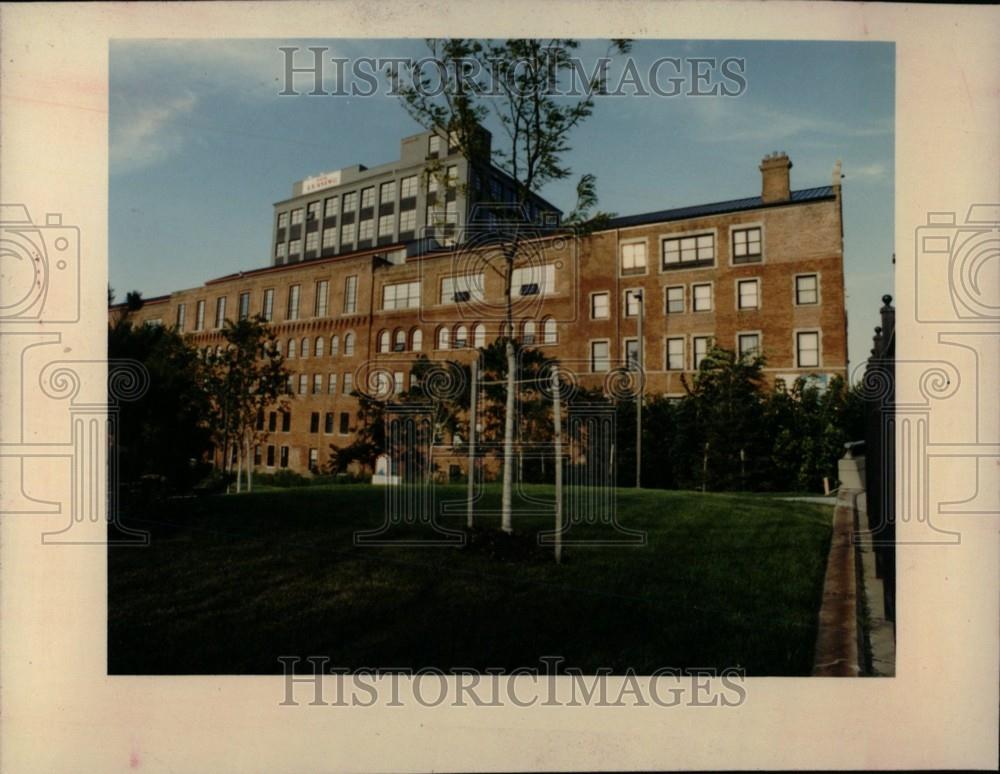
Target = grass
(230,583)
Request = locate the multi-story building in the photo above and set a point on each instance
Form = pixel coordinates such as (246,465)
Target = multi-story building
(761,273)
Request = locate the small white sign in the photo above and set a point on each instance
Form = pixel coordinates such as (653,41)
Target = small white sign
(325,180)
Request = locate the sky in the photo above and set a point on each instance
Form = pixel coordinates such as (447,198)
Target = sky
(202,145)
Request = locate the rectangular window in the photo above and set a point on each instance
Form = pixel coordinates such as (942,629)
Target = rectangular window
(408,187)
(244,305)
(533,280)
(220,311)
(350,201)
(329,237)
(675,354)
(397,382)
(303,384)
(312,211)
(435,214)
(806,289)
(633,302)
(322,297)
(180,316)
(317,384)
(748,344)
(280,250)
(451,178)
(746,245)
(807,349)
(293,303)
(314,422)
(312,240)
(348,383)
(256,456)
(599,306)
(631,353)
(366,229)
(199,316)
(700,347)
(328,422)
(748,294)
(267,310)
(272,421)
(408,220)
(296,217)
(331,384)
(345,423)
(282,220)
(295,247)
(331,207)
(689,251)
(403,295)
(270,456)
(346,235)
(284,456)
(368,197)
(385,224)
(451,213)
(387,192)
(286,421)
(701,297)
(634,258)
(314,460)
(433,145)
(600,358)
(465,287)
(675,299)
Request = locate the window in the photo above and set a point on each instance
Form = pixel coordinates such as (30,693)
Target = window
(806,289)
(433,145)
(303,384)
(280,250)
(383,341)
(270,456)
(533,280)
(403,295)
(807,349)
(633,302)
(350,201)
(286,421)
(292,347)
(368,197)
(312,240)
(320,346)
(632,354)
(435,214)
(331,207)
(746,245)
(199,316)
(282,219)
(634,258)
(305,347)
(220,311)
(346,235)
(748,344)
(295,247)
(312,211)
(256,456)
(690,250)
(348,344)
(314,422)
(600,358)
(348,384)
(461,337)
(397,382)
(290,385)
(351,294)
(387,192)
(345,422)
(675,354)
(272,422)
(334,346)
(314,460)
(296,217)
(451,177)
(464,287)
(599,306)
(331,384)
(180,317)
(366,229)
(284,456)
(267,309)
(479,335)
(549,334)
(701,297)
(244,305)
(322,297)
(328,422)
(699,347)
(748,294)
(292,313)
(442,338)
(399,340)
(385,225)
(451,213)
(317,384)
(416,339)
(408,187)
(407,220)
(675,299)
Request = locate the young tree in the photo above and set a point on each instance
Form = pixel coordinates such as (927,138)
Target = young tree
(511,82)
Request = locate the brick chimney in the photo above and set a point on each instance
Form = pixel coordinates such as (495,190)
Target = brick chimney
(776,183)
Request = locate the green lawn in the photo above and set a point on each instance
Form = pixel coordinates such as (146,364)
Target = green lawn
(230,583)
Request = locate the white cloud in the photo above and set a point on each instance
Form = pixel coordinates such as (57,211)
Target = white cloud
(147,134)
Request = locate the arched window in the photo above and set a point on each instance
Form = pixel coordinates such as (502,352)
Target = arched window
(442,337)
(479,335)
(291,349)
(550,336)
(305,347)
(461,337)
(528,332)
(348,344)
(416,339)
(399,340)
(334,346)
(277,346)
(320,346)
(383,341)
(504,330)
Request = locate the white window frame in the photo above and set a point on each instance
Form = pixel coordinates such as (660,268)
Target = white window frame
(607,295)
(760,294)
(473,284)
(622,272)
(818,332)
(709,337)
(590,355)
(795,288)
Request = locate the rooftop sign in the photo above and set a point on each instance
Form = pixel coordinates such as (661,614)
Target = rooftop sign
(317,182)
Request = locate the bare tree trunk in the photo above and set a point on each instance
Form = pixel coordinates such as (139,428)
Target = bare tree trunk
(238,447)
(249,452)
(508,437)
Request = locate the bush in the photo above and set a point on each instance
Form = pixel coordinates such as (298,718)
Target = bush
(214,483)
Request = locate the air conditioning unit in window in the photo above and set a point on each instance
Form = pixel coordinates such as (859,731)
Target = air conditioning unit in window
(460,344)
(531,289)
(399,347)
(461,295)
(528,339)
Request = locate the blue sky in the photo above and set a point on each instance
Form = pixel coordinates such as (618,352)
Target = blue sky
(201,145)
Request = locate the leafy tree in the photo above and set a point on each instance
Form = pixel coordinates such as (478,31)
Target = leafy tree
(511,82)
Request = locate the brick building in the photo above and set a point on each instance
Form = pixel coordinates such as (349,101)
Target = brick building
(764,273)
